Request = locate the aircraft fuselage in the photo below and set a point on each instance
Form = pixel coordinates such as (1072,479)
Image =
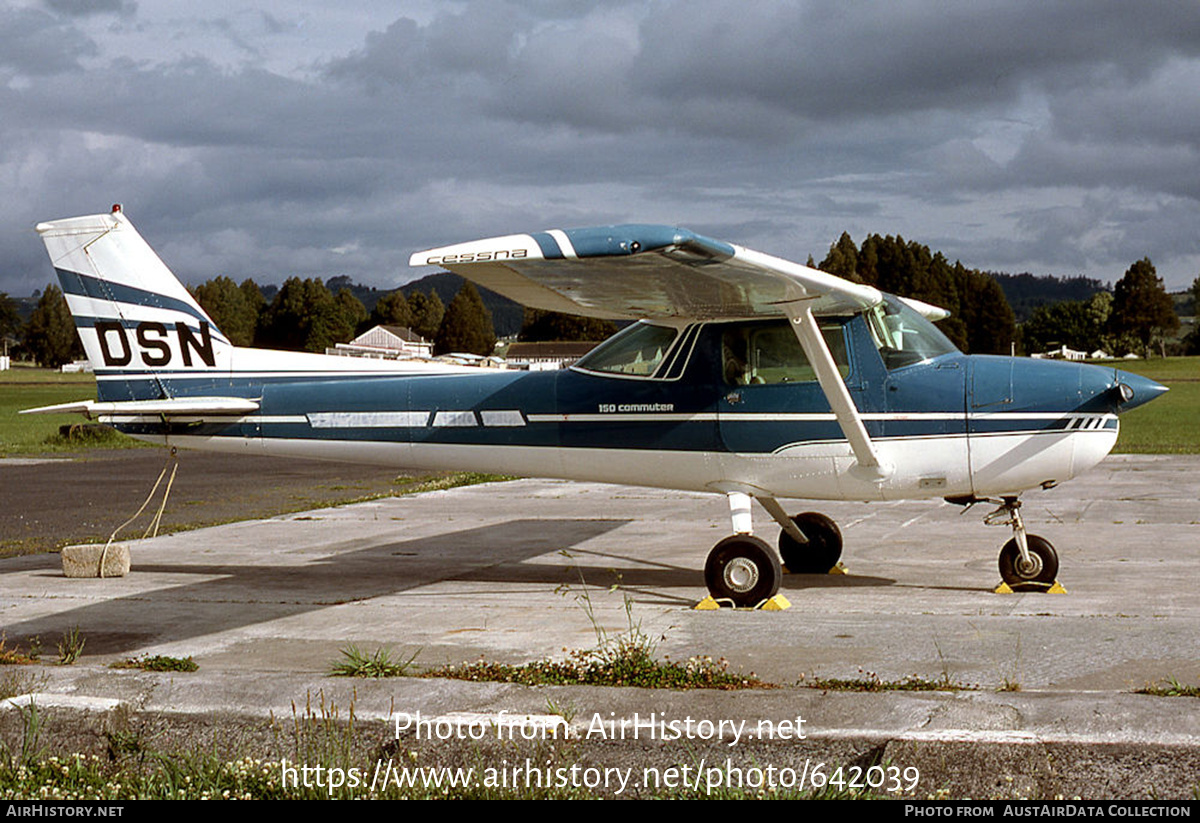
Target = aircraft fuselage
(951,425)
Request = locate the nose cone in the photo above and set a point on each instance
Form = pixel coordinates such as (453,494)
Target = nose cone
(1132,390)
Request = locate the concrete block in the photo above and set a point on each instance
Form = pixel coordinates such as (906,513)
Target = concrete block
(84,561)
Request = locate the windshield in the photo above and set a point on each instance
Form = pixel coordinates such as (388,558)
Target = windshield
(637,351)
(904,336)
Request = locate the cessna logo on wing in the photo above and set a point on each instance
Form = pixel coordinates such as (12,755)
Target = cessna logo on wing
(477,256)
(152,341)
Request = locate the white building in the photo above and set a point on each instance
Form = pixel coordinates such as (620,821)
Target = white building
(386,343)
(547,356)
(1061,353)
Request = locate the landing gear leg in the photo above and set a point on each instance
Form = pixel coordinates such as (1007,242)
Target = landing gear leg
(742,568)
(1026,561)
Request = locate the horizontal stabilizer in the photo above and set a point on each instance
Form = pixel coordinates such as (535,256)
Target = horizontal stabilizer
(216,406)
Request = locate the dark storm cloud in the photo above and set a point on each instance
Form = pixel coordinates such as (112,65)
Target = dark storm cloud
(33,43)
(833,59)
(1011,134)
(87,8)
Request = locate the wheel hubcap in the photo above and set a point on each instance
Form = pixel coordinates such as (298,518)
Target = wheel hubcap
(741,575)
(1029,569)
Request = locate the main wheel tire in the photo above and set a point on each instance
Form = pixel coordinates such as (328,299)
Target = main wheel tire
(1042,566)
(743,569)
(822,551)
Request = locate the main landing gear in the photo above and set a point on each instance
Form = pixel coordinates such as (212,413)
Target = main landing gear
(745,569)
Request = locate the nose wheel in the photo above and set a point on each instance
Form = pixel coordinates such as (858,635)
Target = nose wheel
(1027,561)
(1039,566)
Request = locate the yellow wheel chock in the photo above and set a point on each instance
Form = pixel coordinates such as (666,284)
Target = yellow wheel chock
(776,603)
(1052,588)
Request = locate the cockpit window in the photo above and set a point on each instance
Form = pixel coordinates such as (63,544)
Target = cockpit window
(637,351)
(903,336)
(766,353)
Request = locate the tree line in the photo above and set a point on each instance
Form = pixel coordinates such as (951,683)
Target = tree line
(1138,315)
(306,315)
(309,315)
(981,320)
(302,315)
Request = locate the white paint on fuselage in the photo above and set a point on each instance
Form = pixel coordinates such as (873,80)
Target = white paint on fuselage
(928,467)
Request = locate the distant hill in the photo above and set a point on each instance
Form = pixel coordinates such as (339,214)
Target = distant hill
(507,315)
(1025,292)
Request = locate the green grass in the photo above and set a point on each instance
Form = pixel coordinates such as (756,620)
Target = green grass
(28,388)
(24,374)
(630,666)
(1170,688)
(357,663)
(420,485)
(157,663)
(871,682)
(70,646)
(1171,423)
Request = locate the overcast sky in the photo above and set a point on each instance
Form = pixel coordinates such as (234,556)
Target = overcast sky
(269,139)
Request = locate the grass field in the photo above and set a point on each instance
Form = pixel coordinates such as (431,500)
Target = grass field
(27,388)
(1169,425)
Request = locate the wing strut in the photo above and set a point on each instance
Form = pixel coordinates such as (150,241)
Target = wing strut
(821,359)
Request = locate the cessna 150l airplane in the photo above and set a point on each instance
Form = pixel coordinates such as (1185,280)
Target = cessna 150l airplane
(744,375)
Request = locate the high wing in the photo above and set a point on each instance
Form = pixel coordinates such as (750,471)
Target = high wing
(660,272)
(644,271)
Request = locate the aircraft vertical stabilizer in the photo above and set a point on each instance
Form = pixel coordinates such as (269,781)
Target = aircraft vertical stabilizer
(132,313)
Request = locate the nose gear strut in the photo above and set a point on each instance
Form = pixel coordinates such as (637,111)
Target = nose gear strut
(1027,562)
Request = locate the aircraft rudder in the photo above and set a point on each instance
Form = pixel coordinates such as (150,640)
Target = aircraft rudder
(131,312)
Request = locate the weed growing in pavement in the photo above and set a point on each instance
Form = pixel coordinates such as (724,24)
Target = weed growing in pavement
(12,656)
(623,659)
(70,646)
(1169,688)
(31,750)
(357,663)
(872,682)
(14,682)
(157,663)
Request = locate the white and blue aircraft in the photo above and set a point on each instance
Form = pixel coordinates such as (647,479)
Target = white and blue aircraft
(745,375)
